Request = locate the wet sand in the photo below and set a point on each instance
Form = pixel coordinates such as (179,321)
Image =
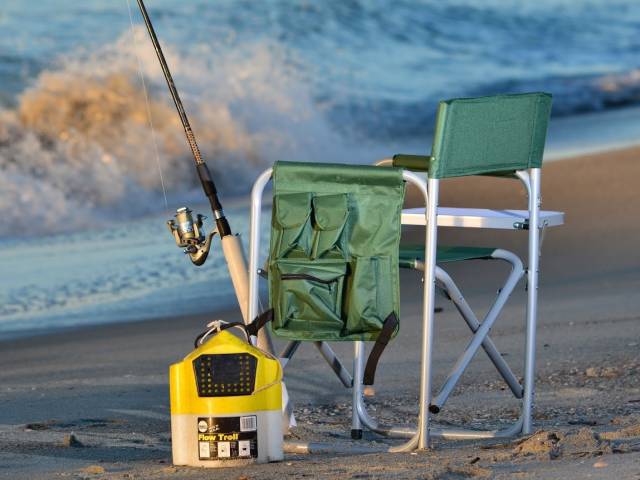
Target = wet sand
(107,385)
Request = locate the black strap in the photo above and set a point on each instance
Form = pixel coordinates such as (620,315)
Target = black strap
(388,327)
(259,322)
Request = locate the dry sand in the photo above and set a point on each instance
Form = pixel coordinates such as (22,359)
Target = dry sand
(93,403)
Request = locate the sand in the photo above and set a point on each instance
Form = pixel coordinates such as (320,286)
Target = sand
(93,402)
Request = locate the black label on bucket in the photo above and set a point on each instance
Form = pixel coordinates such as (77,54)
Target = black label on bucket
(227,438)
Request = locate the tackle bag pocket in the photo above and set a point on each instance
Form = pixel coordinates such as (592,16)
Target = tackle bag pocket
(306,296)
(330,213)
(371,299)
(292,226)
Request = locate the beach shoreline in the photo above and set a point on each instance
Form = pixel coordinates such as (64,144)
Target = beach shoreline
(66,281)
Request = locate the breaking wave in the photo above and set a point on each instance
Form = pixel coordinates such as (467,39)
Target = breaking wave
(78,147)
(334,82)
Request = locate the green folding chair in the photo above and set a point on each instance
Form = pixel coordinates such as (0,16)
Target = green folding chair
(502,136)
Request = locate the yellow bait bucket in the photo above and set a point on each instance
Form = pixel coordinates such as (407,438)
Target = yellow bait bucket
(226,405)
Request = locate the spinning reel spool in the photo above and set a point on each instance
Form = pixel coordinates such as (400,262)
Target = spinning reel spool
(190,235)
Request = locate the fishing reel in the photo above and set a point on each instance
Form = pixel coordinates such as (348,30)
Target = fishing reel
(190,235)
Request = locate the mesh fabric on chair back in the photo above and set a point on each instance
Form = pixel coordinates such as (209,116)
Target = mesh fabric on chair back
(489,134)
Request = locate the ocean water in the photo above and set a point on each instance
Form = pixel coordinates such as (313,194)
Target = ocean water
(81,187)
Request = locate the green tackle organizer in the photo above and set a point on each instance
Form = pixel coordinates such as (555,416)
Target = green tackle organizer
(333,260)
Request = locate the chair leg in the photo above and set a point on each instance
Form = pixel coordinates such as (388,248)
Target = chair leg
(289,350)
(480,336)
(456,297)
(329,356)
(358,374)
(334,362)
(428,312)
(466,434)
(467,314)
(532,299)
(397,431)
(421,438)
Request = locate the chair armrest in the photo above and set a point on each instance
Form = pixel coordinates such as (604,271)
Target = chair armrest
(416,163)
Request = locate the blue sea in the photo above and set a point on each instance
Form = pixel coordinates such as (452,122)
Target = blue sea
(91,167)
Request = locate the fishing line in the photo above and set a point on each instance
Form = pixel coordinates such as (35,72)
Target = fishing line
(146,98)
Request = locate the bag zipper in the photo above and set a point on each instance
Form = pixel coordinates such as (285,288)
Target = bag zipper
(306,276)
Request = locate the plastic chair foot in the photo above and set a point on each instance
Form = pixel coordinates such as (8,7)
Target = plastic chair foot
(434,408)
(356,434)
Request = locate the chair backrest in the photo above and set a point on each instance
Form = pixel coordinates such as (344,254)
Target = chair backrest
(489,134)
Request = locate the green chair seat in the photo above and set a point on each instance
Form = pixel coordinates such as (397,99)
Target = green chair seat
(409,254)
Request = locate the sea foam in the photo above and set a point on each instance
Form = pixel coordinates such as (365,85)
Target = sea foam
(78,148)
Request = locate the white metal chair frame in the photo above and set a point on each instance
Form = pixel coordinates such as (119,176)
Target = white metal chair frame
(420,437)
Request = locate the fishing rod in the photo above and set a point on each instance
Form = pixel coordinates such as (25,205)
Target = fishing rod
(189,233)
